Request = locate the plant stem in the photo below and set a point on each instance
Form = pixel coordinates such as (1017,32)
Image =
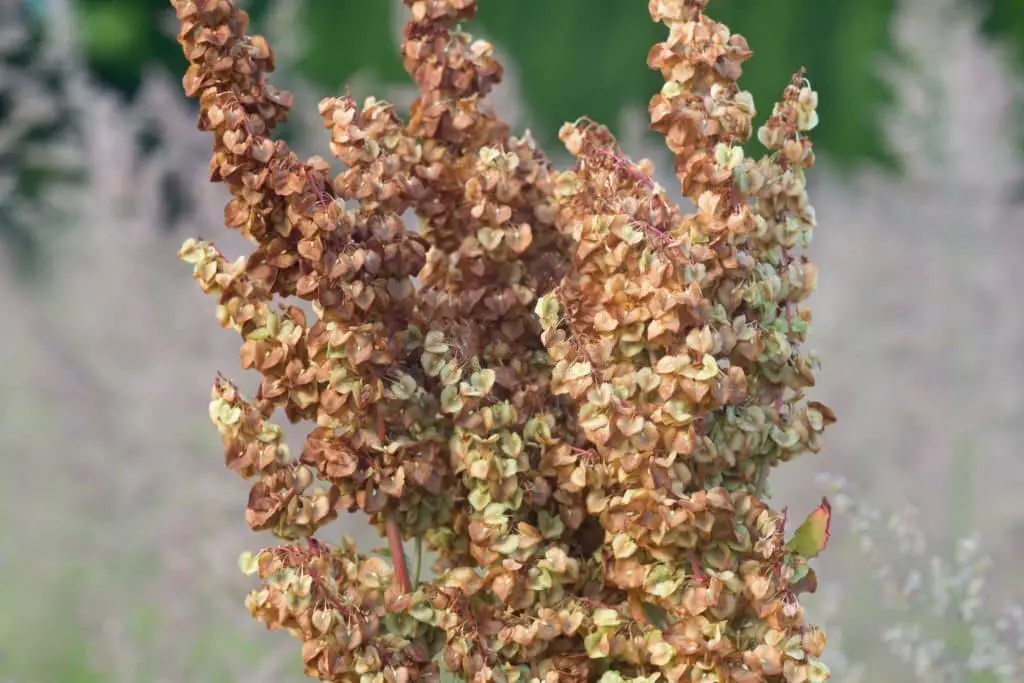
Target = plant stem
(419,562)
(762,480)
(397,552)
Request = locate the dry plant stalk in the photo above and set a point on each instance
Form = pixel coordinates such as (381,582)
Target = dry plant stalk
(569,389)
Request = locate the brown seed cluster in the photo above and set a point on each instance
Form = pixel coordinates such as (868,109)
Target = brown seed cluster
(569,390)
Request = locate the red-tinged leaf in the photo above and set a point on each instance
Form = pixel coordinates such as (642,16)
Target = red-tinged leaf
(812,536)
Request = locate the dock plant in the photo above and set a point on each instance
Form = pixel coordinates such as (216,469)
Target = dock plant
(562,385)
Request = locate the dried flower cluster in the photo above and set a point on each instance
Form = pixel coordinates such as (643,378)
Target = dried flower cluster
(562,385)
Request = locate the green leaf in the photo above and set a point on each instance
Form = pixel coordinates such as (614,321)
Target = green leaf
(606,617)
(451,401)
(597,644)
(578,371)
(547,310)
(707,370)
(507,545)
(434,342)
(679,411)
(482,382)
(489,237)
(404,387)
(424,613)
(812,536)
(664,588)
(660,652)
(540,579)
(623,546)
(479,498)
(550,526)
(249,563)
(494,515)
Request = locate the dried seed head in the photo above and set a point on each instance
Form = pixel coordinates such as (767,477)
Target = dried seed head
(569,389)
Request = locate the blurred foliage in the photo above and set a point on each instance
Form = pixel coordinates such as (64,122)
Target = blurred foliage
(33,114)
(584,56)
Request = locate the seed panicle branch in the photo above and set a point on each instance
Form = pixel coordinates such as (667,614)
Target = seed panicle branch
(566,388)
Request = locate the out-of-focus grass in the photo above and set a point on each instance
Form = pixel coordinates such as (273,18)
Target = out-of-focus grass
(49,640)
(45,640)
(913,613)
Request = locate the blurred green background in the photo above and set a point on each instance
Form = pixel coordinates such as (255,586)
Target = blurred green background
(555,42)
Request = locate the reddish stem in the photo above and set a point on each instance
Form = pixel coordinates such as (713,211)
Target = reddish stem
(328,596)
(391,525)
(397,552)
(624,166)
